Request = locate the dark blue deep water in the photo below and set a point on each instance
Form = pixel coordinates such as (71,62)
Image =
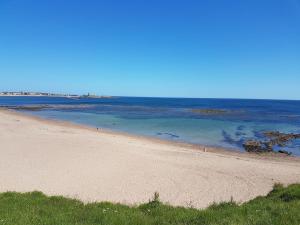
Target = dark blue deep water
(174,118)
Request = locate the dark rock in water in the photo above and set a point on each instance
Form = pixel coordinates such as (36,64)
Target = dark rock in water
(275,138)
(268,146)
(280,139)
(253,146)
(277,134)
(285,152)
(209,111)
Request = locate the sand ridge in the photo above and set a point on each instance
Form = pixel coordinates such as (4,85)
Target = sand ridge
(61,159)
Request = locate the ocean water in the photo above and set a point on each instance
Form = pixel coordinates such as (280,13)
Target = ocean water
(175,118)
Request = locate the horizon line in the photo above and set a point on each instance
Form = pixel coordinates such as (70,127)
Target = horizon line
(133,96)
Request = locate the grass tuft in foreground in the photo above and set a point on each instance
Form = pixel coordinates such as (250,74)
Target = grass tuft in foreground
(280,206)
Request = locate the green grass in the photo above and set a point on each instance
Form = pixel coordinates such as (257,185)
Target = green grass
(281,206)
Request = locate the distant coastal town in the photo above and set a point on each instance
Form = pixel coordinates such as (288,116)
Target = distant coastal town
(46,94)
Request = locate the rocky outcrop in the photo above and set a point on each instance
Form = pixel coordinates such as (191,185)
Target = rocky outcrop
(253,146)
(209,111)
(273,138)
(281,139)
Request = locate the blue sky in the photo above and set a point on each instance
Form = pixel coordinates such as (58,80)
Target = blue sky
(218,48)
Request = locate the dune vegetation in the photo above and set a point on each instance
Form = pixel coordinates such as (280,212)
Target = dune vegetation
(280,206)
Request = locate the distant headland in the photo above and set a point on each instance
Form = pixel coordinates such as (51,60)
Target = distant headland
(46,94)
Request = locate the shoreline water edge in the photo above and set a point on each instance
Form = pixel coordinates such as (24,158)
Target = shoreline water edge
(176,143)
(236,125)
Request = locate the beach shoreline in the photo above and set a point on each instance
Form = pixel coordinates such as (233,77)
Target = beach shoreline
(198,147)
(59,157)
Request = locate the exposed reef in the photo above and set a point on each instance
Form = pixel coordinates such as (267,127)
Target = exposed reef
(273,139)
(210,111)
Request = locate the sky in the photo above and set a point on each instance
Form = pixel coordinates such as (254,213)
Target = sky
(157,48)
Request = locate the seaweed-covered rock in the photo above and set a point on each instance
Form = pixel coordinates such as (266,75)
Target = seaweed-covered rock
(210,111)
(253,146)
(274,138)
(280,139)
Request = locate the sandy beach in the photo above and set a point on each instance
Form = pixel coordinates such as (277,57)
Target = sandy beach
(59,158)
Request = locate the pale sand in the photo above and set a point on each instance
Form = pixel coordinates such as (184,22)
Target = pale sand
(62,159)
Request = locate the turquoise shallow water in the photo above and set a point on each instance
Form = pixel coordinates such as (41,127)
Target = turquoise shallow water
(173,119)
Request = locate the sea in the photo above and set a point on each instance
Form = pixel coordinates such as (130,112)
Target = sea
(226,123)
